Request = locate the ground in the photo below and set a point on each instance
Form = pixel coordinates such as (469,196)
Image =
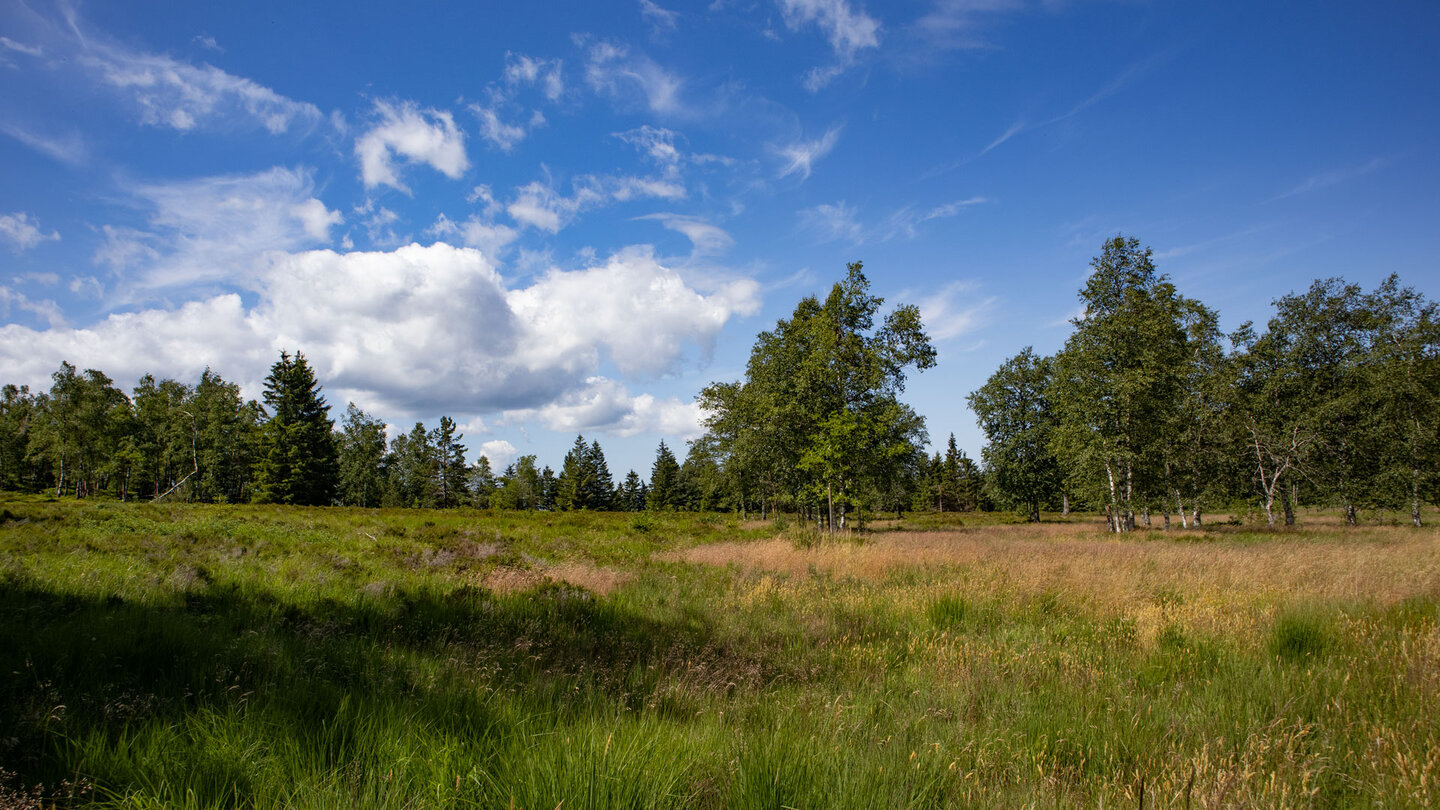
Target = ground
(207,656)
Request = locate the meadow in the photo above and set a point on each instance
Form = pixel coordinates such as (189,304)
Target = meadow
(251,656)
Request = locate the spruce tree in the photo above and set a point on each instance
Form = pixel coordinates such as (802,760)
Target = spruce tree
(600,492)
(632,497)
(451,470)
(298,459)
(664,481)
(573,482)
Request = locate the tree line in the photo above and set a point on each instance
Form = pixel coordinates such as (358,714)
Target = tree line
(166,439)
(1148,411)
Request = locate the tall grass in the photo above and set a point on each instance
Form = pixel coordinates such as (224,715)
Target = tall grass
(257,656)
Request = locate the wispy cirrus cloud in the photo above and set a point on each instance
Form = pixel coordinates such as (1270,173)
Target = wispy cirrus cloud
(1331,177)
(840,222)
(23,232)
(21,47)
(214,229)
(1107,90)
(612,70)
(955,310)
(69,148)
(548,74)
(662,21)
(183,96)
(541,206)
(799,157)
(960,24)
(848,30)
(706,239)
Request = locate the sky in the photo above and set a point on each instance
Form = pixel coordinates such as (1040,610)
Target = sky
(550,219)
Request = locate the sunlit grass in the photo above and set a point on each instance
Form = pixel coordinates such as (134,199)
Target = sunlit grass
(260,656)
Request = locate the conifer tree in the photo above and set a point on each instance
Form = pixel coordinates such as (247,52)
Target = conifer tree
(362,459)
(600,491)
(481,483)
(450,468)
(572,483)
(664,492)
(632,493)
(298,459)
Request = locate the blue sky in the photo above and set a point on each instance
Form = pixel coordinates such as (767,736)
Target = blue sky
(551,218)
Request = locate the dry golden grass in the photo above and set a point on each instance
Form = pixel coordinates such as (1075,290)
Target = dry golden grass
(596,579)
(1385,565)
(1202,582)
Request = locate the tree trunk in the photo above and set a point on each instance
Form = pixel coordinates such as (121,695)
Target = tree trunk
(1351,519)
(830,500)
(1289,505)
(1415,498)
(1064,504)
(1113,508)
(1129,497)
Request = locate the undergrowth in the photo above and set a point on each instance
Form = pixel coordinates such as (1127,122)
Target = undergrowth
(170,655)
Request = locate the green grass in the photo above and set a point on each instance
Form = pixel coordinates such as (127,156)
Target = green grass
(193,656)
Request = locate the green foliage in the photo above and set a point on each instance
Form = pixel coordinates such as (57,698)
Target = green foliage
(481,484)
(298,459)
(1113,386)
(1014,410)
(665,492)
(451,471)
(818,419)
(361,458)
(585,481)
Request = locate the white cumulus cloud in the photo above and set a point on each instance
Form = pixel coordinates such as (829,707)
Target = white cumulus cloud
(406,131)
(607,405)
(500,453)
(631,306)
(415,331)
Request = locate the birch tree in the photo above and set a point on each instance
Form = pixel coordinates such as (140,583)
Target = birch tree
(1013,408)
(1117,382)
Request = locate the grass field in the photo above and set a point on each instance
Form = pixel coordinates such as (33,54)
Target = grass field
(231,656)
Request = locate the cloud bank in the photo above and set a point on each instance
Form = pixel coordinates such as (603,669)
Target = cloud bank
(422,329)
